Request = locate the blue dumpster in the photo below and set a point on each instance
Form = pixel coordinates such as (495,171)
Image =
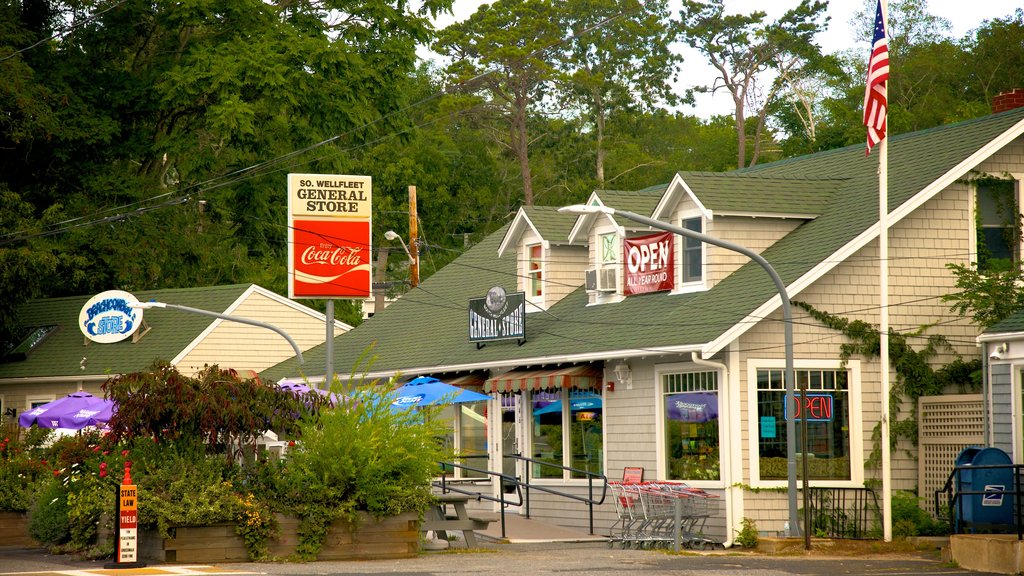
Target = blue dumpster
(987,512)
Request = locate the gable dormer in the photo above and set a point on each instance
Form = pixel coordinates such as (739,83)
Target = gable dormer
(549,266)
(748,209)
(608,256)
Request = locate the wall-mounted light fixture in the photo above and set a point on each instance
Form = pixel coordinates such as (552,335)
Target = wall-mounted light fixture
(624,375)
(999,351)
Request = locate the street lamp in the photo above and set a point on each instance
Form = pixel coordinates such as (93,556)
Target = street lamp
(413,268)
(154,304)
(787,316)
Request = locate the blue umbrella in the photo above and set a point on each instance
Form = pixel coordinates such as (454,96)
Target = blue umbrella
(576,403)
(424,391)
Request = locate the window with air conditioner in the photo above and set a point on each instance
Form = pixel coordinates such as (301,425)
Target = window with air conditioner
(609,262)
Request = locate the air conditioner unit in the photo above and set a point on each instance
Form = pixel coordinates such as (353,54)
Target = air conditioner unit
(591,280)
(607,279)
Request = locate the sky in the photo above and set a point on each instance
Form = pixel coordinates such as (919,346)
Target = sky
(964,15)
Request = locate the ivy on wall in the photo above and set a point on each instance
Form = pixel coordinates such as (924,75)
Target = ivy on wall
(915,375)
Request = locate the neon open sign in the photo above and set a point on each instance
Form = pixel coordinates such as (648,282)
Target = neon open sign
(817,407)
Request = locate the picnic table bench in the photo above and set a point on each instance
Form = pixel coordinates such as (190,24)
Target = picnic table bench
(440,521)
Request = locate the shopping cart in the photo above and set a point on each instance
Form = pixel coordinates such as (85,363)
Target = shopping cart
(647,515)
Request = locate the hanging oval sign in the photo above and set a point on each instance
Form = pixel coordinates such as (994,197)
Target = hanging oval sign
(110,317)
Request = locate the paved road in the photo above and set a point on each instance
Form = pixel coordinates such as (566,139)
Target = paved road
(583,559)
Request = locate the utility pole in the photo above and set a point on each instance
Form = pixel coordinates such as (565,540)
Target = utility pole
(414,249)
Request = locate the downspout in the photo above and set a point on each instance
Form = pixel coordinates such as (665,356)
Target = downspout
(729,505)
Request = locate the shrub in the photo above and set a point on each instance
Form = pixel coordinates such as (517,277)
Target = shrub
(48,517)
(747,537)
(22,470)
(908,519)
(361,456)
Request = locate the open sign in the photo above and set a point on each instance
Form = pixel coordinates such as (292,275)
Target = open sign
(816,407)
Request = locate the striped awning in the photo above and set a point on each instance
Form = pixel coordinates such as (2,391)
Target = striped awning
(582,377)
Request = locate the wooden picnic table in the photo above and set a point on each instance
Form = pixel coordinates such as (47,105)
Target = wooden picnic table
(438,520)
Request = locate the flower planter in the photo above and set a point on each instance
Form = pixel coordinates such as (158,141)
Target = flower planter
(395,537)
(14,530)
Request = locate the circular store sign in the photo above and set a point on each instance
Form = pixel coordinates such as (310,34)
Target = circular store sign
(109,317)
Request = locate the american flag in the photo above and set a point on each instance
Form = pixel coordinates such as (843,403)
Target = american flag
(876,101)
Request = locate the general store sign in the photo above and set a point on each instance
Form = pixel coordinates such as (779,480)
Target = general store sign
(497,316)
(329,224)
(648,266)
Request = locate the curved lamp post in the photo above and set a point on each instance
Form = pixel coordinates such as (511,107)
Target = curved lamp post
(787,314)
(153,304)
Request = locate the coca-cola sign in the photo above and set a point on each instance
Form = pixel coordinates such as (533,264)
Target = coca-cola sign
(329,236)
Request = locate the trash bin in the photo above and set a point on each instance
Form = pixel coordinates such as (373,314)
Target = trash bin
(985,512)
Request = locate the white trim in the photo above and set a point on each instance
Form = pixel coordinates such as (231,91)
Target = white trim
(701,285)
(772,215)
(515,231)
(856,433)
(584,221)
(669,199)
(40,398)
(524,363)
(1016,412)
(862,239)
(661,459)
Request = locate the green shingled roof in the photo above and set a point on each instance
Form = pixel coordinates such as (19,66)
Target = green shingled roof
(552,225)
(426,330)
(61,353)
(758,193)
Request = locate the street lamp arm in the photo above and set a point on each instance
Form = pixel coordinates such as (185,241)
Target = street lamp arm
(295,347)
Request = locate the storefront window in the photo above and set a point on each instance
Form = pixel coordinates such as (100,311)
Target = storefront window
(468,436)
(827,409)
(690,402)
(578,425)
(547,433)
(586,432)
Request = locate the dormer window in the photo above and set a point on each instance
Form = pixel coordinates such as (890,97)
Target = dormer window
(693,253)
(534,271)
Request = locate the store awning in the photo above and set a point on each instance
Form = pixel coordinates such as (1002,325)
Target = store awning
(584,377)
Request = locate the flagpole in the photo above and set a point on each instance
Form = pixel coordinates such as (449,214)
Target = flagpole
(883,328)
(883,272)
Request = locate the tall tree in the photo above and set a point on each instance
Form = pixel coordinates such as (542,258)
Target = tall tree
(117,128)
(503,53)
(754,59)
(616,57)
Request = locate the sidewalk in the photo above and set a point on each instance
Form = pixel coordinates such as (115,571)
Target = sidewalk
(522,530)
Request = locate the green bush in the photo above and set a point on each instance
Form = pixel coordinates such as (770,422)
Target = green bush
(747,537)
(22,470)
(48,517)
(908,519)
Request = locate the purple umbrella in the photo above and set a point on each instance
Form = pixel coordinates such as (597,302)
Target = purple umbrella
(74,411)
(303,388)
(692,406)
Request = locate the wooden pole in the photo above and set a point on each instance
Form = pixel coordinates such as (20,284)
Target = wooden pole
(414,250)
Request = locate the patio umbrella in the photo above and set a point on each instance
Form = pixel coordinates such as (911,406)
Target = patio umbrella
(692,406)
(424,391)
(74,411)
(576,404)
(303,388)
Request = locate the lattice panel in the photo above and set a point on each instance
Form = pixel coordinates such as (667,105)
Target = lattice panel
(946,425)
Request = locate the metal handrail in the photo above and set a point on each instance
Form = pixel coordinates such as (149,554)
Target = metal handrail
(954,498)
(590,476)
(447,486)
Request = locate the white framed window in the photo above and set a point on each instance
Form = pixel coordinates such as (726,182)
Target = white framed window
(36,401)
(834,431)
(535,272)
(689,426)
(691,256)
(567,430)
(997,224)
(468,435)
